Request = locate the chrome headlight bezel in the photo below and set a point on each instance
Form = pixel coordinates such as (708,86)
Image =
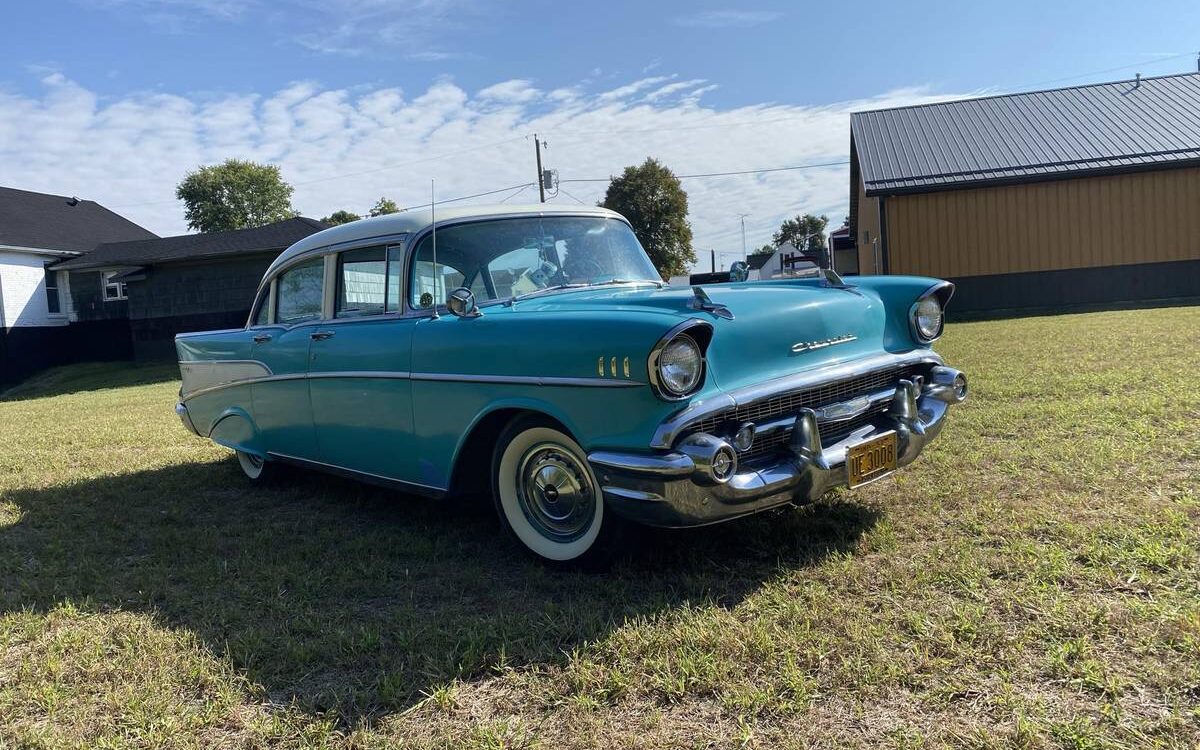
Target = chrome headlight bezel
(692,332)
(938,294)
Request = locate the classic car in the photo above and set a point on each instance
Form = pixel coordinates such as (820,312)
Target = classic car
(534,353)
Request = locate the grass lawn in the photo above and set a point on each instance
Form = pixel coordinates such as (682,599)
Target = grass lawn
(1032,581)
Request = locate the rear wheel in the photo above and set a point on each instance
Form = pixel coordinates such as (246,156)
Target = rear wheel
(547,495)
(255,467)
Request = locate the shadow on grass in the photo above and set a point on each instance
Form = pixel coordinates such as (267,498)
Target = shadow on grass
(353,599)
(90,376)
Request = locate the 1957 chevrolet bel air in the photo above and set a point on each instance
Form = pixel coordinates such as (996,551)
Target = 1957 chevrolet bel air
(535,353)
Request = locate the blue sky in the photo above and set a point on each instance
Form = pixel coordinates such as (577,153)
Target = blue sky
(116,99)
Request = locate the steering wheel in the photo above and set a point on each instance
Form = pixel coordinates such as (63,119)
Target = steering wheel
(586,269)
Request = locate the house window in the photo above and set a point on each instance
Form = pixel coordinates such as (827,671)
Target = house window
(53,301)
(114,290)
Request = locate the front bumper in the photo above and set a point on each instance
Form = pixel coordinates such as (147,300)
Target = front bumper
(676,488)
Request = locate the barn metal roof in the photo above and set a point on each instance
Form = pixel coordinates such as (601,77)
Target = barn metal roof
(1107,127)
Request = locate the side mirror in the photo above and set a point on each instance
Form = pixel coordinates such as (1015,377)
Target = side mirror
(461,303)
(739,271)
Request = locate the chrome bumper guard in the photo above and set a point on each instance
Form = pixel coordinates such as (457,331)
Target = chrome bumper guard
(684,486)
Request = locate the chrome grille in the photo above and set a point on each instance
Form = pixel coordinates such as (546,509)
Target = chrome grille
(787,404)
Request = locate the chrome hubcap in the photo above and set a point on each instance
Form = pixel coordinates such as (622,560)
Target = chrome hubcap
(555,492)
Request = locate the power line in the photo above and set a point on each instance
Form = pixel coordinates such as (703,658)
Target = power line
(473,195)
(564,192)
(727,174)
(514,195)
(383,168)
(397,165)
(1143,63)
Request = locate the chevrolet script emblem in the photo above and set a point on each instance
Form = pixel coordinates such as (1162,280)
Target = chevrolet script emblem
(808,346)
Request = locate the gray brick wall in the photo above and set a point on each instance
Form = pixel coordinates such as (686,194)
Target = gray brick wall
(87,295)
(176,290)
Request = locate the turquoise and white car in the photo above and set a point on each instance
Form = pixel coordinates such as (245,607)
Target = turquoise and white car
(534,353)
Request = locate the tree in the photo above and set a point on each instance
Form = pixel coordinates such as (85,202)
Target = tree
(651,197)
(340,217)
(765,250)
(806,232)
(384,206)
(234,194)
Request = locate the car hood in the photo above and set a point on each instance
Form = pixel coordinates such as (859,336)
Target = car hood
(777,327)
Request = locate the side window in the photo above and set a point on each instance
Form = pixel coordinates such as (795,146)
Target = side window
(362,282)
(430,283)
(299,292)
(263,310)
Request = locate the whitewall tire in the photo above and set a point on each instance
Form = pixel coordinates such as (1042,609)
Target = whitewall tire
(254,467)
(547,495)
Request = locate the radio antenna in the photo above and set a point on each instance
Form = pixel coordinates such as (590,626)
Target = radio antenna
(433,220)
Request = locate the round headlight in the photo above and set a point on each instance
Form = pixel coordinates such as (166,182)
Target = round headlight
(680,366)
(927,318)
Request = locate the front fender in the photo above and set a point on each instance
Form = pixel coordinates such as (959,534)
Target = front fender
(235,429)
(898,294)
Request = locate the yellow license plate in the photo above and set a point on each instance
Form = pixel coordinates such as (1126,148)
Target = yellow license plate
(871,460)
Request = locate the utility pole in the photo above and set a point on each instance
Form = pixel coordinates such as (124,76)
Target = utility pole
(537,149)
(743,218)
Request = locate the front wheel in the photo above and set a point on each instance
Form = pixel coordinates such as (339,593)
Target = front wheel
(547,495)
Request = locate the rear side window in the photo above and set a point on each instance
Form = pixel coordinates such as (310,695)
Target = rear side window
(362,282)
(264,308)
(299,292)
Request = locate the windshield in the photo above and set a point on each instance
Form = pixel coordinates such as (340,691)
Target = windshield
(504,258)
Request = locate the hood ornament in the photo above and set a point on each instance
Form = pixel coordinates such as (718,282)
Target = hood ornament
(808,346)
(701,301)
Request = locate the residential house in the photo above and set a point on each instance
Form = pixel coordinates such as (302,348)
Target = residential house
(36,230)
(784,260)
(163,286)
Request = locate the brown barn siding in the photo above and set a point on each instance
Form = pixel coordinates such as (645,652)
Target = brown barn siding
(866,226)
(1136,218)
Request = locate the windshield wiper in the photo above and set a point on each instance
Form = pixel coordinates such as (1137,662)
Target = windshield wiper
(543,290)
(656,282)
(579,285)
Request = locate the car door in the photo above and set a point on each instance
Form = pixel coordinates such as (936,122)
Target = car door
(359,364)
(282,407)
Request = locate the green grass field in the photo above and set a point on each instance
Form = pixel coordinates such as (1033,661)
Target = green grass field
(1032,581)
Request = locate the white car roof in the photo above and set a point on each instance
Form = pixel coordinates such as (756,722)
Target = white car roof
(414,221)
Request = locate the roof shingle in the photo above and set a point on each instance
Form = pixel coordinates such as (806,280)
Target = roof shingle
(56,222)
(1105,127)
(275,236)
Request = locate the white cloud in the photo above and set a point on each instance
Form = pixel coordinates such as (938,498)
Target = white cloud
(223,9)
(516,91)
(720,19)
(343,148)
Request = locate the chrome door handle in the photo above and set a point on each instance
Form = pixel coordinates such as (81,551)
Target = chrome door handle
(262,338)
(321,335)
